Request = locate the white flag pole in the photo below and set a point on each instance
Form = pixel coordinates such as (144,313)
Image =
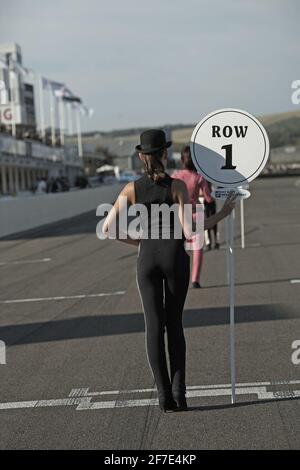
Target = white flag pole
(41,105)
(13,85)
(61,121)
(14,119)
(52,116)
(242,224)
(70,121)
(13,93)
(232,336)
(79,137)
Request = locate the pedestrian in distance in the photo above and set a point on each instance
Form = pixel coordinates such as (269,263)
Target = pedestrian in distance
(211,209)
(197,188)
(163,264)
(42,186)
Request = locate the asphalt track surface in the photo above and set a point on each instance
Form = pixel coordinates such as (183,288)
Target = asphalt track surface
(66,346)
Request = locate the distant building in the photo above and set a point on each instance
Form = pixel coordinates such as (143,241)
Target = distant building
(24,157)
(17,97)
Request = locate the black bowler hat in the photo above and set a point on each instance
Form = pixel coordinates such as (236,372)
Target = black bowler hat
(152,141)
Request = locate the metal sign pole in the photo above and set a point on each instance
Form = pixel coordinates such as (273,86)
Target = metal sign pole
(242,224)
(231,277)
(227,251)
(231,164)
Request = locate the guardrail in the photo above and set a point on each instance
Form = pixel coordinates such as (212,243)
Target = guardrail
(281,169)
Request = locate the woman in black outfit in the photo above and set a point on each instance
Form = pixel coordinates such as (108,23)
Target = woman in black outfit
(163,265)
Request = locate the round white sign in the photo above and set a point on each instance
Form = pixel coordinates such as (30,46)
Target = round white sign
(229,147)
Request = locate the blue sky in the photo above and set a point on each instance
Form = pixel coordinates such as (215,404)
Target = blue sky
(148,63)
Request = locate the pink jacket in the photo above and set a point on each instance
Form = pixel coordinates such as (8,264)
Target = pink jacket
(196,185)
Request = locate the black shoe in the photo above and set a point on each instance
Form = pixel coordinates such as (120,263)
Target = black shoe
(208,247)
(167,405)
(181,403)
(196,285)
(217,246)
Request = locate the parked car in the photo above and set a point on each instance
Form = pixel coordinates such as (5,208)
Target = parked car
(128,176)
(95,181)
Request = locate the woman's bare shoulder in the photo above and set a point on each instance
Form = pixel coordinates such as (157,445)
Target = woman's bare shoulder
(179,188)
(128,191)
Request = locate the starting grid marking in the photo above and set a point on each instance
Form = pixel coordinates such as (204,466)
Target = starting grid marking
(82,397)
(62,297)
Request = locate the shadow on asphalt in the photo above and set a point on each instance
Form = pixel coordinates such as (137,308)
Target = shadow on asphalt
(249,283)
(80,224)
(239,405)
(105,325)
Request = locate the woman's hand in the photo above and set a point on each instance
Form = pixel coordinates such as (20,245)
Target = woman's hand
(227,208)
(229,204)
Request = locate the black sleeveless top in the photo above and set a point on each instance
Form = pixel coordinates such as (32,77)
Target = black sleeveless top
(157,220)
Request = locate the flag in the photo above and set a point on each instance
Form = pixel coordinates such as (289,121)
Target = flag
(71,99)
(67,95)
(85,110)
(51,85)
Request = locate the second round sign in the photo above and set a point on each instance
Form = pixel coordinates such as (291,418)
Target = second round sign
(229,147)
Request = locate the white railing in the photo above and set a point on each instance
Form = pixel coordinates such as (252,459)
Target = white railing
(19,214)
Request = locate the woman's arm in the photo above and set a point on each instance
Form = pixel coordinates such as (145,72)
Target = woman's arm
(112,219)
(227,208)
(185,209)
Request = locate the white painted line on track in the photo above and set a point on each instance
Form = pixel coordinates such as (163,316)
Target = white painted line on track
(62,297)
(295,281)
(249,245)
(84,391)
(29,261)
(82,398)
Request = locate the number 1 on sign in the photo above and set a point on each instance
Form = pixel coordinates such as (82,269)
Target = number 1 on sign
(228,158)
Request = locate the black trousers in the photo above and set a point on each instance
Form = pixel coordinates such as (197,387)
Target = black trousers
(211,209)
(163,271)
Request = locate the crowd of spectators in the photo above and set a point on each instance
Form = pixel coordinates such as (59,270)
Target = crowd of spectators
(50,185)
(82,182)
(30,134)
(58,184)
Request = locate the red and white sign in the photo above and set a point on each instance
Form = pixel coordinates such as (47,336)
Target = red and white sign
(6,114)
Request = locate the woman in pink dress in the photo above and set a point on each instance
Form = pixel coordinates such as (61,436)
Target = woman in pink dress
(197,187)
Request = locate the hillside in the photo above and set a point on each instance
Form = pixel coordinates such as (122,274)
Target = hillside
(283,129)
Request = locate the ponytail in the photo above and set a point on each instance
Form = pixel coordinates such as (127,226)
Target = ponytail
(186,159)
(154,166)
